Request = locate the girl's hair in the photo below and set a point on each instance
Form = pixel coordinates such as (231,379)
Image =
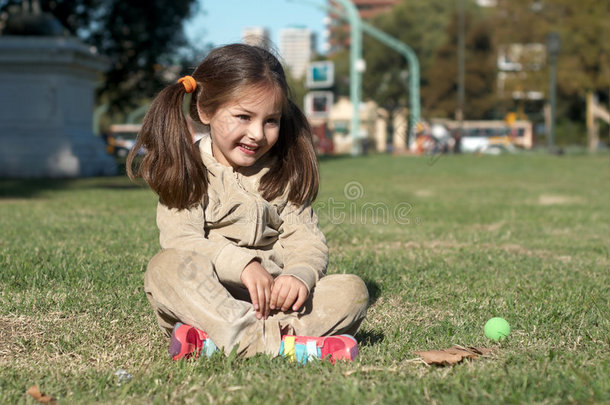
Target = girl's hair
(172,165)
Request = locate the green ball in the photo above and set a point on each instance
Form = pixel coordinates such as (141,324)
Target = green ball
(497,328)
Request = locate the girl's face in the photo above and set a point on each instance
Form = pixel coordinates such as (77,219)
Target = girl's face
(244,130)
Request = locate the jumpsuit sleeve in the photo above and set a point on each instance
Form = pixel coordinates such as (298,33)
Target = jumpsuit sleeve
(184,230)
(305,250)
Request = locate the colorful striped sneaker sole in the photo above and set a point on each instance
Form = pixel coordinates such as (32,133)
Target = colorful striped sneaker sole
(306,348)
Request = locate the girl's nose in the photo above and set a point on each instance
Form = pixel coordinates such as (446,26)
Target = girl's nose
(256,132)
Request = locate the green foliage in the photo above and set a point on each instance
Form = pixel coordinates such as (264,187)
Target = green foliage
(429,27)
(140,38)
(432,34)
(297,88)
(569,132)
(440,95)
(342,61)
(524,237)
(583,62)
(422,25)
(584,58)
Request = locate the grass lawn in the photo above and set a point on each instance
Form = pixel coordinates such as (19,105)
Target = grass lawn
(443,244)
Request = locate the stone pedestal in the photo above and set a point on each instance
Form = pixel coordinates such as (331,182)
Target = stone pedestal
(47,89)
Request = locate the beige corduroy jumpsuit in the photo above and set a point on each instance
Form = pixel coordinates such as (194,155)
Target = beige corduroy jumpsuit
(196,278)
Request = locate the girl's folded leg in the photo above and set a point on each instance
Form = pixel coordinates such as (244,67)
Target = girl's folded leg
(336,305)
(182,286)
(325,326)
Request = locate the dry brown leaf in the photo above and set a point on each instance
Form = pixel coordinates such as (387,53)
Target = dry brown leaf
(452,355)
(34,391)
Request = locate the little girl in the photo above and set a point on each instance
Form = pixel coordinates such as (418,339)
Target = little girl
(243,262)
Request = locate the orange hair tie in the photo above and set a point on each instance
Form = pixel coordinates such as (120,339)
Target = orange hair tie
(189,83)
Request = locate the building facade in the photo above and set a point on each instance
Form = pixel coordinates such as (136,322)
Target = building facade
(296,49)
(258,36)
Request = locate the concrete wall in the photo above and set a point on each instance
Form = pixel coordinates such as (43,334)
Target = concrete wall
(47,89)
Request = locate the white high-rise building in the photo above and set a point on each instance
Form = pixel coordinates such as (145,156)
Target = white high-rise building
(296,49)
(258,36)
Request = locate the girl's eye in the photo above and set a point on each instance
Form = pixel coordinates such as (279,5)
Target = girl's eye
(243,117)
(273,121)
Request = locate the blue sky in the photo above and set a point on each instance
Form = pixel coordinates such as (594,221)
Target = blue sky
(221,21)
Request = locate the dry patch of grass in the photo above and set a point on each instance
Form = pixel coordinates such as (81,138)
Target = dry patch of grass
(550,199)
(413,249)
(423,193)
(83,341)
(390,311)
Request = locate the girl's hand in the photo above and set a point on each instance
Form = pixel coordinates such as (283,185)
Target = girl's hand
(288,291)
(259,282)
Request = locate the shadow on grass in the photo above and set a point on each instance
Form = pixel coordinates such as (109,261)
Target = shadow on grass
(369,338)
(366,337)
(31,188)
(374,290)
(35,188)
(327,158)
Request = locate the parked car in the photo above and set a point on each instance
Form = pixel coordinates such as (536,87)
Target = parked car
(121,138)
(490,136)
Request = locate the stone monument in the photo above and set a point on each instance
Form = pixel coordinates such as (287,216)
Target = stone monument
(47,84)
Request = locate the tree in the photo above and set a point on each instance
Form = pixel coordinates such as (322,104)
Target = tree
(584,60)
(297,87)
(584,30)
(421,24)
(440,97)
(137,36)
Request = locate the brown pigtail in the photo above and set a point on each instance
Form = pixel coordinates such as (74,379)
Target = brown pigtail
(171,166)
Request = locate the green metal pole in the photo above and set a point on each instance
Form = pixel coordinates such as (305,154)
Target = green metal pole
(553,97)
(461,65)
(553,44)
(355,74)
(414,74)
(137,114)
(97,114)
(400,47)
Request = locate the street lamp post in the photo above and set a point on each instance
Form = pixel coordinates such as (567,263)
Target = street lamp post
(461,70)
(357,65)
(553,44)
(356,69)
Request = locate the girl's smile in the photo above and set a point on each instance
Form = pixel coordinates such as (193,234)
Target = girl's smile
(244,130)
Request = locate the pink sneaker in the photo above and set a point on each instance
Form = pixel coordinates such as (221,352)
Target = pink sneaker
(306,348)
(188,341)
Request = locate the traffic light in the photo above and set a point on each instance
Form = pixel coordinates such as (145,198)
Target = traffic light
(320,75)
(318,104)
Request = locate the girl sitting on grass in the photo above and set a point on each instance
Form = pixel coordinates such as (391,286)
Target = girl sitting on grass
(243,262)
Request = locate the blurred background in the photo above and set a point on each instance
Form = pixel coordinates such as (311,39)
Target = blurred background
(485,76)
